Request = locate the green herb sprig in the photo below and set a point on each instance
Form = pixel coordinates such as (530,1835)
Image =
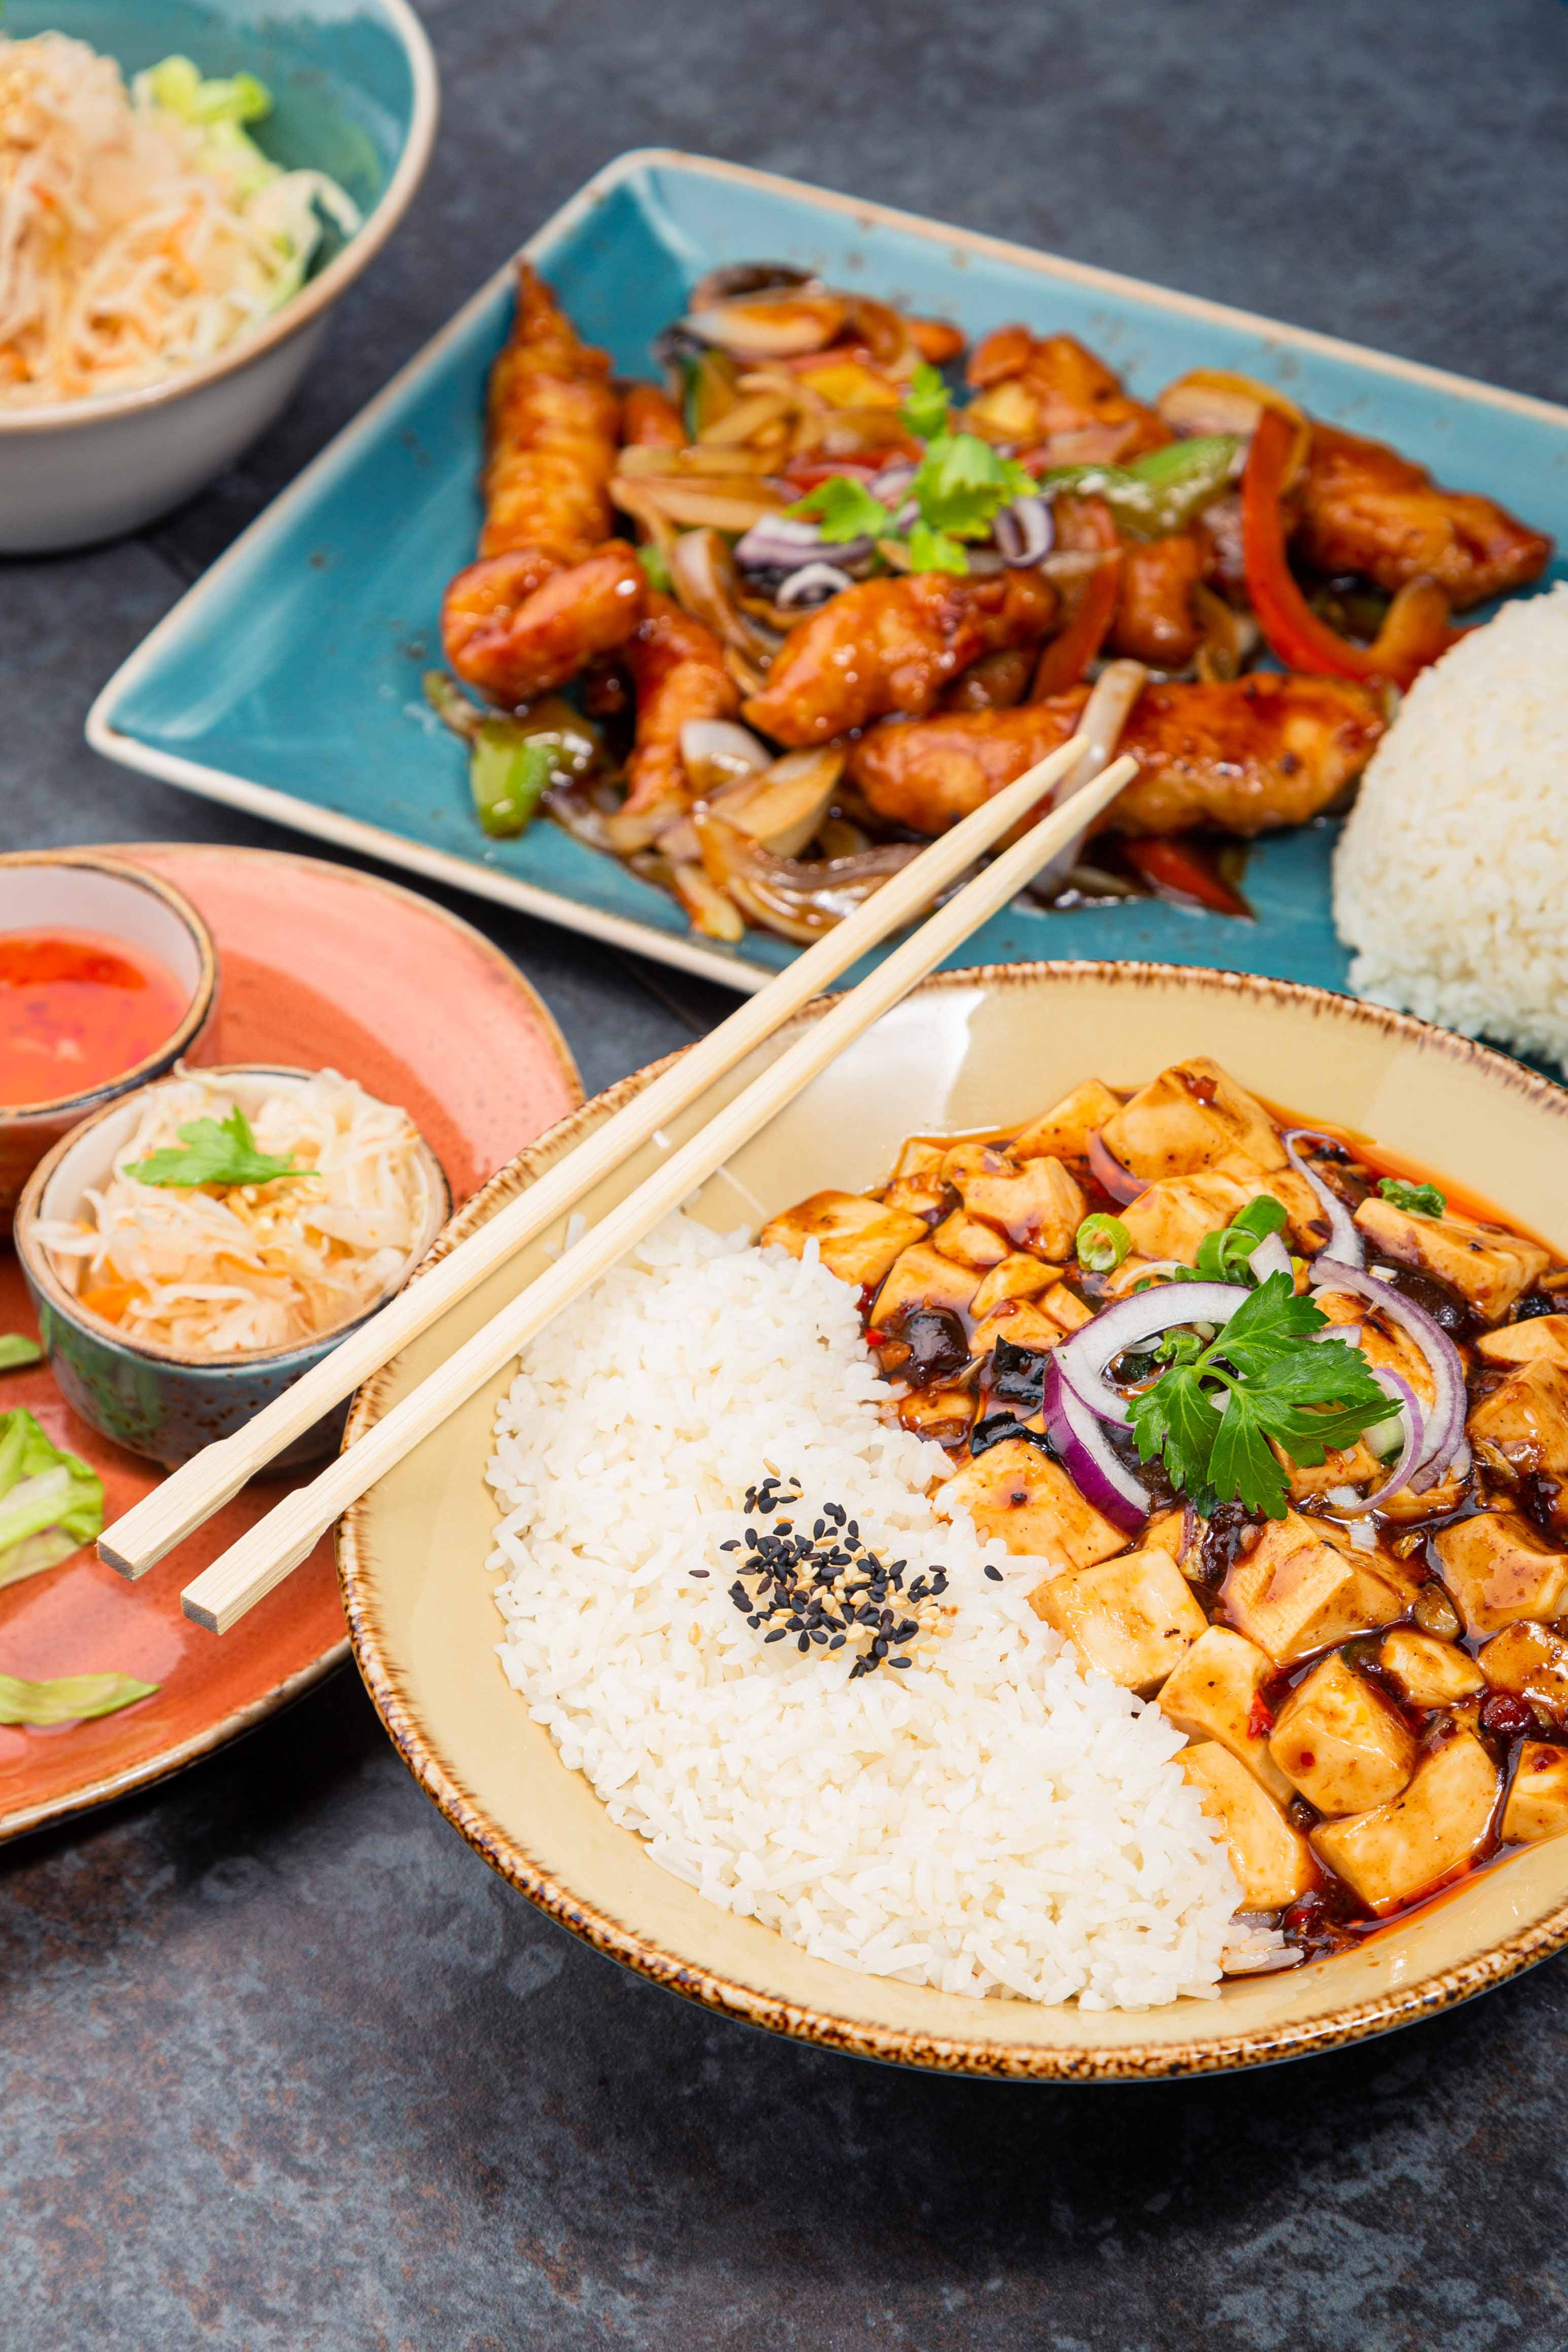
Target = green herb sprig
(1415,1200)
(1226,1253)
(216,1151)
(1209,1417)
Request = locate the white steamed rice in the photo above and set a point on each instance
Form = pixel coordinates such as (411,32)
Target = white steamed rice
(1451,878)
(991,1821)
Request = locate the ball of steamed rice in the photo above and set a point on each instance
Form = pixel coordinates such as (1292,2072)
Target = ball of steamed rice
(1451,878)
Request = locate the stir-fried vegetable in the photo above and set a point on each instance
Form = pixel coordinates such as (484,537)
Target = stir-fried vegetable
(1161,492)
(51,1503)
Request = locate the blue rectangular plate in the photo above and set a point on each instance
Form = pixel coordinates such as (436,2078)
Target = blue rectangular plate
(288,680)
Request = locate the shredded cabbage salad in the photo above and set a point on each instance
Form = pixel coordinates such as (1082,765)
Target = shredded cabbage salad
(141,230)
(216,1269)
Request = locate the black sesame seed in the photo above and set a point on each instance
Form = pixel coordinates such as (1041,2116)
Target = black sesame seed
(804,1643)
(901,1662)
(778,1635)
(700,1571)
(993,1573)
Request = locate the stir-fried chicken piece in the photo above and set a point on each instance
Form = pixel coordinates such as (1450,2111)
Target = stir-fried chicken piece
(678,670)
(893,644)
(1248,755)
(1366,509)
(547,593)
(650,419)
(1155,619)
(1057,403)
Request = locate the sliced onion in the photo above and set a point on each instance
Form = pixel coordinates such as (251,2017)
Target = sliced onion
(1409,1452)
(1109,1172)
(1349,1332)
(892,484)
(1445,1429)
(1344,1244)
(1090,1459)
(778,539)
(812,584)
(1024,530)
(1272,1256)
(1130,1321)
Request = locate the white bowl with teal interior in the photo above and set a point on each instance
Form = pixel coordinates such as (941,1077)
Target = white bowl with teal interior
(352,87)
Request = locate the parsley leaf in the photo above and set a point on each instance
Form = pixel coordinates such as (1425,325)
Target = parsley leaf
(963,482)
(844,509)
(932,550)
(926,409)
(1416,1200)
(1210,1417)
(215,1153)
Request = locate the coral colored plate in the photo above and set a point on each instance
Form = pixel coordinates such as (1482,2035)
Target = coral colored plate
(319,966)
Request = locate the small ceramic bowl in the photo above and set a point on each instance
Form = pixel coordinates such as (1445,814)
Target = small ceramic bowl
(969,1051)
(154,1399)
(354,94)
(76,890)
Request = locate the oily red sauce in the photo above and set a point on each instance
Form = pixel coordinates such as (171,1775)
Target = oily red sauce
(76,1009)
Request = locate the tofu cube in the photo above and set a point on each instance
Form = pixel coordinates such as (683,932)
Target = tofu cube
(1036,1204)
(1529,1662)
(1017,1492)
(916,1183)
(1168,1529)
(1063,1131)
(1017,1275)
(1129,1618)
(1516,1343)
(1498,1568)
(1018,1320)
(1295,1592)
(1537,1804)
(922,1277)
(1358,1466)
(1437,1824)
(943,1415)
(1485,1265)
(859,1238)
(1170,1219)
(1429,1672)
(1065,1306)
(1526,1417)
(1193,1117)
(970,1243)
(1340,1743)
(1212,1694)
(1272,1861)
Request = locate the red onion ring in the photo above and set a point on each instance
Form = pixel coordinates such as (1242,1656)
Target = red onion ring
(1127,1322)
(1025,530)
(1109,1172)
(813,584)
(1090,1459)
(1272,1256)
(778,541)
(1409,1452)
(1344,1243)
(1445,1430)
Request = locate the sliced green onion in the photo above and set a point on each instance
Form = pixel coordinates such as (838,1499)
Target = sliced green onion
(1102,1243)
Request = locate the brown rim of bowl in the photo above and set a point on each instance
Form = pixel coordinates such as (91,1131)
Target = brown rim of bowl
(40,1272)
(196,1014)
(315,297)
(512,973)
(967,2055)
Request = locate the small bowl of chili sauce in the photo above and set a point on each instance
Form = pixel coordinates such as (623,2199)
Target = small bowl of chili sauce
(108,978)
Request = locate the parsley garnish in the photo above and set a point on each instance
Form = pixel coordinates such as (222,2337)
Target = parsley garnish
(844,509)
(926,410)
(963,483)
(1416,1200)
(1210,1416)
(932,550)
(215,1153)
(1226,1253)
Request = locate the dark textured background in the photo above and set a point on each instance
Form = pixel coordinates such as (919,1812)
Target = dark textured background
(281,2064)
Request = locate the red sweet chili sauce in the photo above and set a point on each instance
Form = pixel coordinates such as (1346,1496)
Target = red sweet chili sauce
(78,1010)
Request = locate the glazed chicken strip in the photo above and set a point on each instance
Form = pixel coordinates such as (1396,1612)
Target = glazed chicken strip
(1366,509)
(1248,755)
(550,589)
(677,667)
(1056,402)
(893,644)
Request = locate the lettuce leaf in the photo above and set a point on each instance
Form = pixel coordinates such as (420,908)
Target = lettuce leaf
(51,1502)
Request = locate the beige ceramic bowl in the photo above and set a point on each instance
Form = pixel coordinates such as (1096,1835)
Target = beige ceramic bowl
(968,1050)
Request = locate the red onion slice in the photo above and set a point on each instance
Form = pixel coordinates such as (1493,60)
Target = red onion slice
(1129,1321)
(1272,1256)
(1409,1452)
(1090,1459)
(812,584)
(1344,1244)
(1024,530)
(778,539)
(1445,1429)
(1109,1172)
(892,484)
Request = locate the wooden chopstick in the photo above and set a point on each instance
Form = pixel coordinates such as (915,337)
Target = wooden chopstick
(190,1494)
(277,1543)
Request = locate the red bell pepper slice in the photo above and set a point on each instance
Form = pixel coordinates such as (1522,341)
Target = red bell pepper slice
(1414,630)
(1169,862)
(1070,651)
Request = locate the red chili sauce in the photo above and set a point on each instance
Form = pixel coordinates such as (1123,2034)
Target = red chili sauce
(76,1009)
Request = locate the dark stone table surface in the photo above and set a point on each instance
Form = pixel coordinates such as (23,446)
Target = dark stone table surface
(282,2065)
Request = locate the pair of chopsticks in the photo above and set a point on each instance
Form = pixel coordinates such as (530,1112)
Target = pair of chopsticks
(279,1542)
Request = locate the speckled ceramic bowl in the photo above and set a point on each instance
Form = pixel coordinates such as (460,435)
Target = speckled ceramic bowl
(77,890)
(153,1398)
(353,85)
(967,1050)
